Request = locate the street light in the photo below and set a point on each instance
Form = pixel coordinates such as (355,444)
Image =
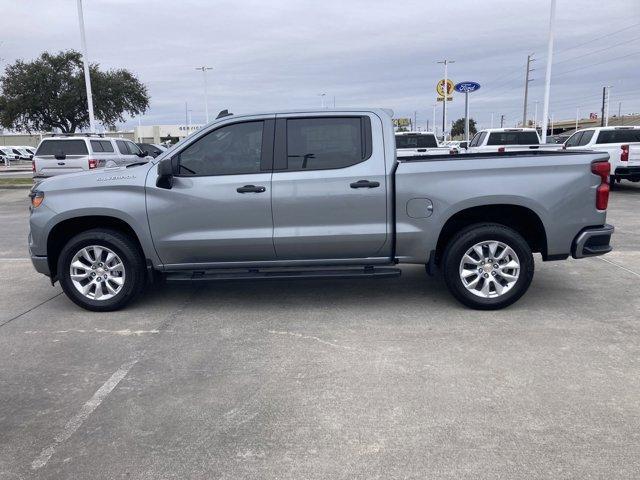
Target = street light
(85,61)
(445,62)
(322,95)
(206,100)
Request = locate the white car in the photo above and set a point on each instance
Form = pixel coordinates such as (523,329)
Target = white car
(410,144)
(507,140)
(70,154)
(618,142)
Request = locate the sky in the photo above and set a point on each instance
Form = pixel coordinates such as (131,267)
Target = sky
(276,54)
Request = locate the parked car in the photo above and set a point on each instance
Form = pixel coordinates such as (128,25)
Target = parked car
(507,140)
(616,141)
(419,143)
(8,154)
(317,194)
(71,154)
(153,149)
(21,153)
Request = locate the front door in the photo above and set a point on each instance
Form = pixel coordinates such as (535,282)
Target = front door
(329,188)
(219,206)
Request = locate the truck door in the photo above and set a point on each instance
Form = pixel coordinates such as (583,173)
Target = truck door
(219,206)
(329,187)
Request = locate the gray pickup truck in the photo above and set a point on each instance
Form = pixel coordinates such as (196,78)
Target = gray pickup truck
(316,194)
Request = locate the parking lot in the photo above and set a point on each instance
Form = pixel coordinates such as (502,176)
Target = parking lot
(322,378)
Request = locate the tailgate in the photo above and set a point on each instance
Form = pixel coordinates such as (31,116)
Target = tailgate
(634,156)
(48,166)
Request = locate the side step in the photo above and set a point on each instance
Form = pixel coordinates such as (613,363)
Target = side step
(254,274)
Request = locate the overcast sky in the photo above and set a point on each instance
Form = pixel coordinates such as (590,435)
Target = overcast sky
(276,54)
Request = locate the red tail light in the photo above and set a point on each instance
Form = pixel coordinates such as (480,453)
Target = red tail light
(93,164)
(602,169)
(33,166)
(453,151)
(501,150)
(624,155)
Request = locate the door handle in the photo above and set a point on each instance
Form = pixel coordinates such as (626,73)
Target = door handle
(251,189)
(364,184)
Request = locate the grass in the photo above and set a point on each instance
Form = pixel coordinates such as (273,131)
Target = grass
(16,181)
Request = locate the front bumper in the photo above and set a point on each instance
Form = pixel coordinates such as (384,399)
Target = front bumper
(628,173)
(41,264)
(592,241)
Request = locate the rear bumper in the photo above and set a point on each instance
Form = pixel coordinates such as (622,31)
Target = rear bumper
(592,241)
(41,264)
(628,173)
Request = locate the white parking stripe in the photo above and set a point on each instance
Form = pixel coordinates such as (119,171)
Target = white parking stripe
(14,259)
(620,266)
(87,409)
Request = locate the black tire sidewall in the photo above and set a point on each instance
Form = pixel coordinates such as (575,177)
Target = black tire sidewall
(485,232)
(124,247)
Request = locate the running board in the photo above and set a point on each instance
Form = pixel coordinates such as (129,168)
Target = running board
(254,274)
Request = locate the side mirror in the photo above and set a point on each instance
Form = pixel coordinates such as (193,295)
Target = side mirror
(166,170)
(143,154)
(464,145)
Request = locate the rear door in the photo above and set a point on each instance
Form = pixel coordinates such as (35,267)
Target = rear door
(219,207)
(57,157)
(329,187)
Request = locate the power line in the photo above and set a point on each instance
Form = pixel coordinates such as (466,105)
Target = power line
(596,63)
(597,38)
(597,51)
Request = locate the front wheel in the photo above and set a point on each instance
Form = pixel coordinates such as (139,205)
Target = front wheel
(101,270)
(488,266)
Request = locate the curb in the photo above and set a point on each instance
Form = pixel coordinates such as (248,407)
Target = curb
(14,187)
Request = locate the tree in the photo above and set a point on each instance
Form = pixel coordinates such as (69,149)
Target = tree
(49,92)
(458,127)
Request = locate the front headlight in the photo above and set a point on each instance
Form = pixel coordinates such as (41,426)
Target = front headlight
(37,197)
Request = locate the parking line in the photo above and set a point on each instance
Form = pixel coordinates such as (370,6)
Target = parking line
(620,266)
(87,409)
(14,259)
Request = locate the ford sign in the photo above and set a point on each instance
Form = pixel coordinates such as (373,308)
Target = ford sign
(467,87)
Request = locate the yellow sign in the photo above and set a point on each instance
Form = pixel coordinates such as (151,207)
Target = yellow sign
(441,99)
(401,122)
(440,88)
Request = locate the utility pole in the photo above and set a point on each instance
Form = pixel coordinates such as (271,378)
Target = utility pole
(434,117)
(501,121)
(206,100)
(321,95)
(445,62)
(547,77)
(535,116)
(186,114)
(577,116)
(526,89)
(492,120)
(620,121)
(85,61)
(606,118)
(415,120)
(604,92)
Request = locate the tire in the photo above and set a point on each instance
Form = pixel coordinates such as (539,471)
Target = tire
(112,278)
(501,290)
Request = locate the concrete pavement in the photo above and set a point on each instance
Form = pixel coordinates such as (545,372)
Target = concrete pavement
(325,379)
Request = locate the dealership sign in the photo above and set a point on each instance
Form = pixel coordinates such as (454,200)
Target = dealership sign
(467,87)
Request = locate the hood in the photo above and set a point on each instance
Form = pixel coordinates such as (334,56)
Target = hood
(111,176)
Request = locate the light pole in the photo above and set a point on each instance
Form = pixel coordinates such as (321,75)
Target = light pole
(577,116)
(206,100)
(434,117)
(606,117)
(535,116)
(85,61)
(445,90)
(547,77)
(321,95)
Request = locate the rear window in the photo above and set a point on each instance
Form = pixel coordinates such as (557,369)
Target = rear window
(416,141)
(101,146)
(65,147)
(619,136)
(513,138)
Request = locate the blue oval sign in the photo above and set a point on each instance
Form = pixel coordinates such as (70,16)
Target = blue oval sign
(464,87)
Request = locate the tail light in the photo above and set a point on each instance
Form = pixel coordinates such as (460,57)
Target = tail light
(602,169)
(93,164)
(624,154)
(33,166)
(453,151)
(501,150)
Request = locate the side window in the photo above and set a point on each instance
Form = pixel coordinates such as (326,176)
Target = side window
(574,140)
(106,146)
(122,146)
(481,138)
(96,146)
(232,149)
(327,142)
(587,135)
(474,140)
(133,148)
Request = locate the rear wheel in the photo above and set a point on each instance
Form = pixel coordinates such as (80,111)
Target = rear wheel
(101,270)
(488,266)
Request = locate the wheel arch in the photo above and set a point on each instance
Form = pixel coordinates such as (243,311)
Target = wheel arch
(522,219)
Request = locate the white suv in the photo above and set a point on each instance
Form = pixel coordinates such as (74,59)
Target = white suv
(69,154)
(616,141)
